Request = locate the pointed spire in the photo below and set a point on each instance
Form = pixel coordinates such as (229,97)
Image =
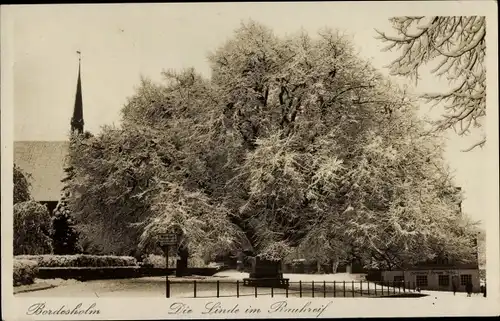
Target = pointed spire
(77,119)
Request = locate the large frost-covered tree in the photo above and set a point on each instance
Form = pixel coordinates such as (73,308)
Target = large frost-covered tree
(146,178)
(293,144)
(316,130)
(457,46)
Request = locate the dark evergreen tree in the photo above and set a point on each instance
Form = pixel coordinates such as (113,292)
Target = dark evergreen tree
(65,236)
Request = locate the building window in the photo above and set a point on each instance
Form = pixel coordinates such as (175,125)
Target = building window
(465,278)
(421,280)
(399,278)
(444,280)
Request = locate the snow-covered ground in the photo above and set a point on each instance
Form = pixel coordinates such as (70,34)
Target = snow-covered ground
(339,277)
(206,287)
(307,278)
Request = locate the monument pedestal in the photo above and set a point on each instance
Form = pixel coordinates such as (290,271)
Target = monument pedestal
(266,273)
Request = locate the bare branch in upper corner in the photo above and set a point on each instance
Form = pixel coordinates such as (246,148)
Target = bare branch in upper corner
(458,45)
(478,144)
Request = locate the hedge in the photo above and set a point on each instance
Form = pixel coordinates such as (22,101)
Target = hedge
(90,273)
(80,260)
(90,267)
(117,272)
(25,272)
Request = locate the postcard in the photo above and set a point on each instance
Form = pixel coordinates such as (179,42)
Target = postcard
(249,160)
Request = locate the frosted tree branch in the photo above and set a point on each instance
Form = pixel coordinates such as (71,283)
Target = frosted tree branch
(459,44)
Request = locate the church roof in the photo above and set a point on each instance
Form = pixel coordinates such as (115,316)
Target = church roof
(44,161)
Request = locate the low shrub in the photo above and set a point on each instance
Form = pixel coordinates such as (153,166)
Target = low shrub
(196,262)
(80,260)
(482,275)
(24,272)
(158,261)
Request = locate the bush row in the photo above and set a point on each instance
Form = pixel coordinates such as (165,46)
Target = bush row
(118,272)
(80,260)
(158,261)
(92,267)
(24,272)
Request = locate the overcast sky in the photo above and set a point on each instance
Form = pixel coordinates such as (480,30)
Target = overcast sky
(119,43)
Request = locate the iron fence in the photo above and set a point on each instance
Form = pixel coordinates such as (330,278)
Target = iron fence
(309,289)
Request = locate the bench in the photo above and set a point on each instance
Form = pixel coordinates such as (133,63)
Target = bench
(267,282)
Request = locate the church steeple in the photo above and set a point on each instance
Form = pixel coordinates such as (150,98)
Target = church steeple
(77,119)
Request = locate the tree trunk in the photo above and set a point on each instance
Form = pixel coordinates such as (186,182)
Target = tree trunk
(349,268)
(182,263)
(335,265)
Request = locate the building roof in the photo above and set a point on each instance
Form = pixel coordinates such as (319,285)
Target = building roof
(44,161)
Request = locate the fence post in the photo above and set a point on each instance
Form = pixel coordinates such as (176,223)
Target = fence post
(352,289)
(312,288)
(344,288)
(361,288)
(300,288)
(255,291)
(194,288)
(237,288)
(324,289)
(393,287)
(218,288)
(382,288)
(404,286)
(272,291)
(167,282)
(286,291)
(375,287)
(334,289)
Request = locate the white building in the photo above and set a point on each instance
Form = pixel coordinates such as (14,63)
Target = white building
(436,278)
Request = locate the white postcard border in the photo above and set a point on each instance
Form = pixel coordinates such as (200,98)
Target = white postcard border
(158,308)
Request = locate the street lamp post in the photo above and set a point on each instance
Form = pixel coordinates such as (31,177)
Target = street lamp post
(167,285)
(167,240)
